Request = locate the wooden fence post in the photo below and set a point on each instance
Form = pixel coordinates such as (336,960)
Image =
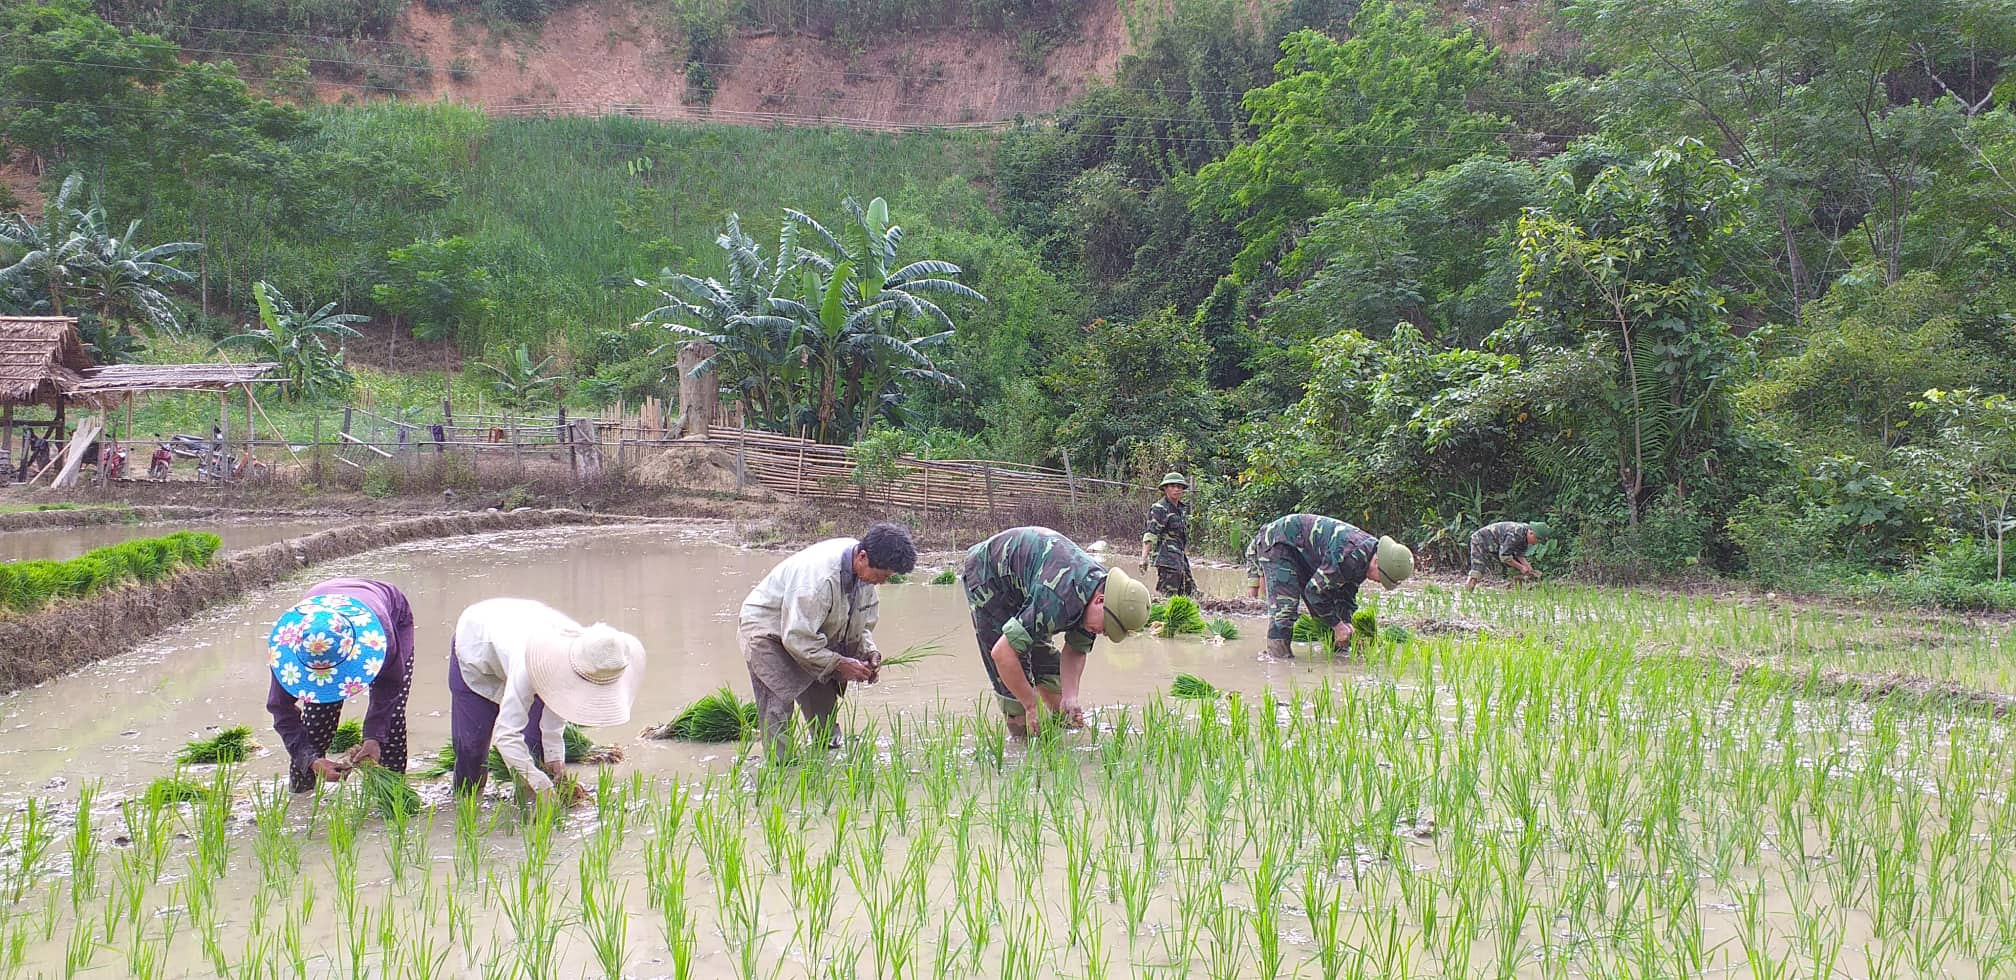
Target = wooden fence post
(560,426)
(987,474)
(316,448)
(1070,480)
(798,479)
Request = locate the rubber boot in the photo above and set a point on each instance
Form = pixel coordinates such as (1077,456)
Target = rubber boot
(1279,650)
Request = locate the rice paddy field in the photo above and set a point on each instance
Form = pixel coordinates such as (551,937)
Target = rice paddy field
(1559,782)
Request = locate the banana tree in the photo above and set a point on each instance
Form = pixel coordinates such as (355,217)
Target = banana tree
(308,346)
(519,381)
(72,262)
(753,347)
(865,305)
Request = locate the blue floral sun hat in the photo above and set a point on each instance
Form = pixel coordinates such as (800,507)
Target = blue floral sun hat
(328,648)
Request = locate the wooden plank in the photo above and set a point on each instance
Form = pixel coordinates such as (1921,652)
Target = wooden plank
(347,437)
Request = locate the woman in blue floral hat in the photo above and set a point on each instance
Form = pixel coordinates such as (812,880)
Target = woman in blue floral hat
(346,637)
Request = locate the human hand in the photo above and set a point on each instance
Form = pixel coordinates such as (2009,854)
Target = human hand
(1252,592)
(1341,633)
(1533,573)
(330,770)
(566,793)
(367,749)
(851,669)
(1071,715)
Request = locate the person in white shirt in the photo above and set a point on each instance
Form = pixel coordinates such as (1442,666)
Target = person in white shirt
(518,672)
(808,628)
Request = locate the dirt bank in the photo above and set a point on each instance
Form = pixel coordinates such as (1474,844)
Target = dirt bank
(73,634)
(43,520)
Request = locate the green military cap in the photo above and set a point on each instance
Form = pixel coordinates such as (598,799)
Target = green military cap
(1540,530)
(1176,478)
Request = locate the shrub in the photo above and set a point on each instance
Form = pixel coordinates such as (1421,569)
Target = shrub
(378,483)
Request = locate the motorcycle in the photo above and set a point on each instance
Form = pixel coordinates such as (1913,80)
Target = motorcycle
(157,464)
(112,461)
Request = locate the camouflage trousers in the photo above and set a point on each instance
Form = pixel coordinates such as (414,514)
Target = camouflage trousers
(1484,557)
(992,608)
(1279,568)
(1175,579)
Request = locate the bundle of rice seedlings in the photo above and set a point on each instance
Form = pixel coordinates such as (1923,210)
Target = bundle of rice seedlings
(230,745)
(1192,687)
(1309,629)
(945,577)
(1183,617)
(718,717)
(1396,634)
(582,749)
(387,792)
(1223,628)
(1364,627)
(899,579)
(1158,612)
(169,790)
(348,736)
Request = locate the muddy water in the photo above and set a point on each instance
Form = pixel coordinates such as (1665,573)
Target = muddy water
(59,544)
(675,587)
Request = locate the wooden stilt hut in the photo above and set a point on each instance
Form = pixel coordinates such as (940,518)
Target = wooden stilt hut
(43,365)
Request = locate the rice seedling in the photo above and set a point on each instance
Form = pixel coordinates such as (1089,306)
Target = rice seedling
(31,846)
(1364,628)
(718,717)
(945,576)
(1192,687)
(914,654)
(232,744)
(1223,628)
(83,850)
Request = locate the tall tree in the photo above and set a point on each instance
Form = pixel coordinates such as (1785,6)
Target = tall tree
(1625,272)
(1387,105)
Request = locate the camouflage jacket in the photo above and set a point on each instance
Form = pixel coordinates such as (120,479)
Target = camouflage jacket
(1507,539)
(1042,572)
(1168,532)
(1336,555)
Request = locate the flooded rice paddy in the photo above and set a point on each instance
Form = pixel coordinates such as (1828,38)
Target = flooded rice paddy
(1566,793)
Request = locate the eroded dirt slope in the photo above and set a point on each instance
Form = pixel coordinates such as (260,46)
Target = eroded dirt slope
(611,56)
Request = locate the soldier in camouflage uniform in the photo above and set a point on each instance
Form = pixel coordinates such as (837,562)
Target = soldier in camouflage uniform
(1168,537)
(1503,545)
(1309,558)
(1027,584)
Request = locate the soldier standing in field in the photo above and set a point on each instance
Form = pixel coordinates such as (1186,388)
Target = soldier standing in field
(1026,585)
(1504,545)
(1168,538)
(1321,561)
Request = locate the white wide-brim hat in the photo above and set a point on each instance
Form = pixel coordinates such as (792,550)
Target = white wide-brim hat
(589,675)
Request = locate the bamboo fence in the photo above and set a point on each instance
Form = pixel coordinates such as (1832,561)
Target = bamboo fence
(783,465)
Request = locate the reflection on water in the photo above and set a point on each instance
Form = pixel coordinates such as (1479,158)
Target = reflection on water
(62,544)
(122,720)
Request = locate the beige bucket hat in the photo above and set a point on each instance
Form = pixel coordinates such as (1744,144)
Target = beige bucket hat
(589,675)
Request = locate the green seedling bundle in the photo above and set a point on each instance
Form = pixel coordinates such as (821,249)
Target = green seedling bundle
(1545,800)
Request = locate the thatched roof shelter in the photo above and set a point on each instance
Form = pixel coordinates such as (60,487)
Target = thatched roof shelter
(42,360)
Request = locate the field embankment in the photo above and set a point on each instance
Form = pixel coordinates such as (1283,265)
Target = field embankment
(69,635)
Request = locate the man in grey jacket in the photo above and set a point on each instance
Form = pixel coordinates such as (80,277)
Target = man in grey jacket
(808,628)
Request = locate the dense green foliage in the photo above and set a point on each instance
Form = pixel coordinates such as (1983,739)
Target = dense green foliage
(26,586)
(1711,285)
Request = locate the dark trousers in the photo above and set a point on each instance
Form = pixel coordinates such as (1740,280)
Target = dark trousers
(472,717)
